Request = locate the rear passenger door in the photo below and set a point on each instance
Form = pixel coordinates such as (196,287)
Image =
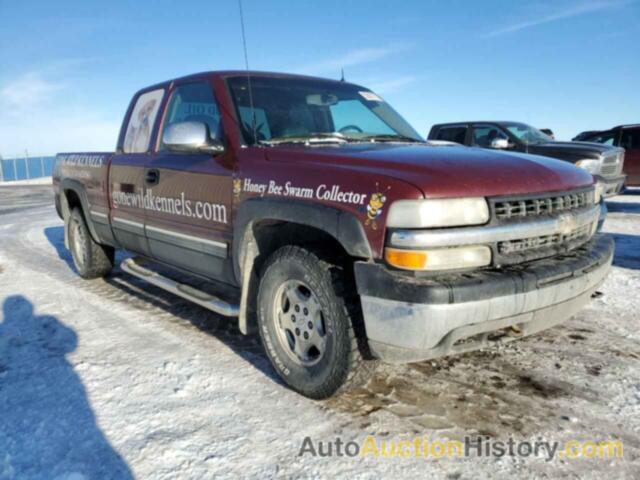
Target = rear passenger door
(126,174)
(188,215)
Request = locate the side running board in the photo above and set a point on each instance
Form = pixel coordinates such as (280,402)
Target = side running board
(185,291)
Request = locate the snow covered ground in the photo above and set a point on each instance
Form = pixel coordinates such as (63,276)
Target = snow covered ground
(116,379)
(31,181)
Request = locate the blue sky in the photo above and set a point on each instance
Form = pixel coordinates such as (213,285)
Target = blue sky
(69,68)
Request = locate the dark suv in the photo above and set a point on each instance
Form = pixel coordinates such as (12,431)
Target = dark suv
(627,137)
(603,161)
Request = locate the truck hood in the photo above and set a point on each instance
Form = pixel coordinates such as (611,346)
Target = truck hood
(571,150)
(441,172)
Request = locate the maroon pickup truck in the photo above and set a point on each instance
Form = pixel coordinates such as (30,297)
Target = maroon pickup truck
(330,226)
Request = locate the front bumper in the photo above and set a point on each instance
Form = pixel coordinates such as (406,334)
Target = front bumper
(410,319)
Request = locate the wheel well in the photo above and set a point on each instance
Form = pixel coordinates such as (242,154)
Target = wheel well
(267,236)
(70,201)
(271,235)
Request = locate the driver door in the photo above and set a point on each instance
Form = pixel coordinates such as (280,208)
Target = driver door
(188,216)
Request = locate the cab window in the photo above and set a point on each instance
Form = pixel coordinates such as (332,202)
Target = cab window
(141,122)
(606,138)
(483,135)
(453,134)
(194,102)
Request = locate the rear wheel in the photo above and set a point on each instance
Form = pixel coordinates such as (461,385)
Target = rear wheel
(91,259)
(305,321)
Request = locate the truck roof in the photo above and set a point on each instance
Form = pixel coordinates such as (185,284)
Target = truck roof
(235,73)
(475,121)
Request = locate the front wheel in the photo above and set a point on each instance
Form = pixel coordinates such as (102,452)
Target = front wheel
(305,320)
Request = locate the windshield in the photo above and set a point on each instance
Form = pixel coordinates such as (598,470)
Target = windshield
(289,110)
(527,134)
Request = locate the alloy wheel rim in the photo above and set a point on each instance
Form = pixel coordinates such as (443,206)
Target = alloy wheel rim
(300,323)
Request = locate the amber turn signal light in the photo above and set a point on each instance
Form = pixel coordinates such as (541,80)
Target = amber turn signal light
(406,259)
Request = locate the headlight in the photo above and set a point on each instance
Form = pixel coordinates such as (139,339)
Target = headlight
(450,212)
(439,258)
(590,165)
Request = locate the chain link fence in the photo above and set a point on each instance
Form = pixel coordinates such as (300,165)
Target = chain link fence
(12,169)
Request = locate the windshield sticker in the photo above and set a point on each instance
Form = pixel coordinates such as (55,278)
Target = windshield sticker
(370,96)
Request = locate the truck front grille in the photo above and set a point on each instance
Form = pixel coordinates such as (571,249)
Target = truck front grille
(544,242)
(609,170)
(549,205)
(612,165)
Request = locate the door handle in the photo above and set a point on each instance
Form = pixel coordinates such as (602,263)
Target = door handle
(152,176)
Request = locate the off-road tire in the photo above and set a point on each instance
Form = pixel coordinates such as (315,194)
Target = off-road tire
(342,366)
(91,259)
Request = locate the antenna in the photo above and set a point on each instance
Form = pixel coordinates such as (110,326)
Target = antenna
(246,64)
(342,74)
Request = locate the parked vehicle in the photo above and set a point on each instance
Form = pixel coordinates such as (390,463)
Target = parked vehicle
(315,214)
(548,132)
(627,137)
(584,135)
(604,162)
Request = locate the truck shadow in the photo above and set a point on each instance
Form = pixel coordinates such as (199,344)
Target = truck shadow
(627,253)
(48,429)
(55,236)
(144,296)
(623,207)
(225,329)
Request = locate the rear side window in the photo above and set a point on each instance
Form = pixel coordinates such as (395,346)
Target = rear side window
(194,102)
(452,134)
(141,122)
(630,139)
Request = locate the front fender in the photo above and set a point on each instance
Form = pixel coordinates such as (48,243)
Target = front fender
(341,225)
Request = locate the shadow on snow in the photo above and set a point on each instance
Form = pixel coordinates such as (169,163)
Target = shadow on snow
(48,427)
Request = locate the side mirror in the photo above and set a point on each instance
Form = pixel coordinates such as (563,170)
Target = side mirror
(191,137)
(500,143)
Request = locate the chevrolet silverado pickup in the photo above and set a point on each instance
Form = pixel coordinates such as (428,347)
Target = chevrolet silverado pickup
(604,162)
(314,214)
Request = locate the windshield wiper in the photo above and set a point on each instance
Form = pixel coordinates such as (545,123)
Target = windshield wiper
(313,138)
(386,137)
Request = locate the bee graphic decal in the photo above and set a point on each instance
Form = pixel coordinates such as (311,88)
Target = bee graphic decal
(237,187)
(374,208)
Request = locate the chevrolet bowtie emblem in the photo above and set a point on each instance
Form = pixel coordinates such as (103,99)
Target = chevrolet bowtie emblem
(567,223)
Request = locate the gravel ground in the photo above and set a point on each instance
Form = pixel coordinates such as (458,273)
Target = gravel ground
(116,379)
